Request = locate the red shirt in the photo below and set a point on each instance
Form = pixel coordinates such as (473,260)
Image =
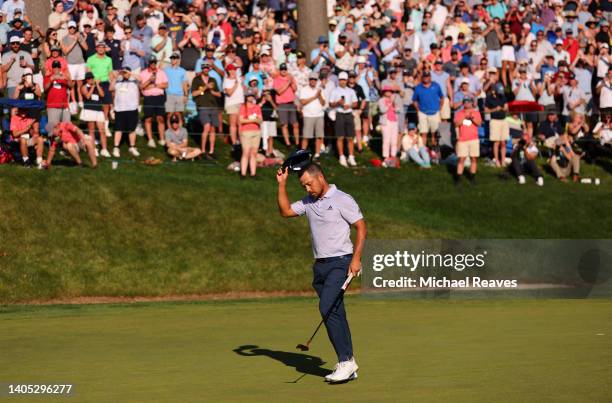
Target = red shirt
(57,94)
(247,110)
(68,133)
(572,46)
(286,97)
(468,132)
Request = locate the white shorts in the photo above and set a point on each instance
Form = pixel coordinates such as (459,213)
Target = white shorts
(77,71)
(507,54)
(268,129)
(88,115)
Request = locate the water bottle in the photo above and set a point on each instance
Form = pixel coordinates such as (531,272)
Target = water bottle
(586,181)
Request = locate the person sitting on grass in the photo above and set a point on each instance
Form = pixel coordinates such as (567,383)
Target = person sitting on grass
(524,157)
(177,141)
(72,139)
(414,149)
(467,121)
(565,161)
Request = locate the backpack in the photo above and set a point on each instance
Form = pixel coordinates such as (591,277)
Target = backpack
(5,155)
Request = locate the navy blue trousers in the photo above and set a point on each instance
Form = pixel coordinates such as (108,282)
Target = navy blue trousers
(329,275)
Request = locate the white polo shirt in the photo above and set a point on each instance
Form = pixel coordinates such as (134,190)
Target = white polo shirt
(330,219)
(314,109)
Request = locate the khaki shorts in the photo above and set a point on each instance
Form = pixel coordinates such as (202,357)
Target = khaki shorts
(250,139)
(314,127)
(499,130)
(232,109)
(445,112)
(470,148)
(428,123)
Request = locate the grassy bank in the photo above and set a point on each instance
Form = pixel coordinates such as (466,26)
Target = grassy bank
(193,228)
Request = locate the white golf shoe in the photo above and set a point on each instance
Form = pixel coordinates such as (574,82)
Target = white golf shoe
(351,161)
(104,153)
(521,179)
(342,161)
(116,152)
(151,143)
(540,181)
(328,376)
(345,371)
(134,152)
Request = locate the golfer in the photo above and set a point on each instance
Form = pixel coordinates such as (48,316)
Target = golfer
(330,213)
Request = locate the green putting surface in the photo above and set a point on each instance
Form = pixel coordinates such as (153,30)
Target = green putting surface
(472,351)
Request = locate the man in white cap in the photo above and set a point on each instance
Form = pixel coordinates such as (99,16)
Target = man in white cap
(344,100)
(559,53)
(13,64)
(312,102)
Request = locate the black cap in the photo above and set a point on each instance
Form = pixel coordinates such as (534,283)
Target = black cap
(300,55)
(283,66)
(152,59)
(287,46)
(89,75)
(463,65)
(426,73)
(174,119)
(352,74)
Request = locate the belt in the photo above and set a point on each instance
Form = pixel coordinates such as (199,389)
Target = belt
(331,259)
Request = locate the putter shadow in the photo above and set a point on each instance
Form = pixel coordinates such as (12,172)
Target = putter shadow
(304,363)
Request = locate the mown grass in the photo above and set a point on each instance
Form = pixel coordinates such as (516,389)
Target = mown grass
(425,351)
(194,228)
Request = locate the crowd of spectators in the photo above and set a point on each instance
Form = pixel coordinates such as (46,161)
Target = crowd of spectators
(427,81)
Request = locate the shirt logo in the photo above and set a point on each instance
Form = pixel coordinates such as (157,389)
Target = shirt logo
(329,208)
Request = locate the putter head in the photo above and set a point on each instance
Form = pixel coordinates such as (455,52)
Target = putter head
(302,347)
(297,160)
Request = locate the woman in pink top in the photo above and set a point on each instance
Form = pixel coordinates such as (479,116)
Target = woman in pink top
(250,134)
(388,122)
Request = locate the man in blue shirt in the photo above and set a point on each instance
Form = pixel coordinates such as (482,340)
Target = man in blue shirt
(428,99)
(177,92)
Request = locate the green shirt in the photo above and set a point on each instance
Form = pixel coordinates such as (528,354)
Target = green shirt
(100,67)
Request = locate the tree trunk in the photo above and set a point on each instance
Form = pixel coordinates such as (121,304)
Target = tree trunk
(38,11)
(312,23)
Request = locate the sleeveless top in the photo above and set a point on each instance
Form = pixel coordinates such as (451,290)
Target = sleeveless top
(94,103)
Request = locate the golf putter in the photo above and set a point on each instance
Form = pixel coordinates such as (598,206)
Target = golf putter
(306,347)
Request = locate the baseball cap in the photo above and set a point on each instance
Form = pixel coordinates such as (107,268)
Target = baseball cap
(283,66)
(53,48)
(230,67)
(558,42)
(343,76)
(322,39)
(175,55)
(333,22)
(464,81)
(222,10)
(438,61)
(152,59)
(492,70)
(426,73)
(287,46)
(313,76)
(100,43)
(175,119)
(300,54)
(468,99)
(15,39)
(26,71)
(361,60)
(352,74)
(162,26)
(89,75)
(251,93)
(409,25)
(72,24)
(411,126)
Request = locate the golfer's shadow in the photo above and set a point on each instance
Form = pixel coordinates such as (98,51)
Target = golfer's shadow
(304,363)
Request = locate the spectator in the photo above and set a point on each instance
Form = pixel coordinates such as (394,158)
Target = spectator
(177,92)
(250,134)
(387,106)
(57,86)
(177,141)
(344,100)
(133,51)
(14,63)
(496,104)
(153,84)
(467,121)
(72,140)
(92,95)
(414,149)
(428,100)
(234,99)
(524,156)
(565,160)
(161,45)
(74,47)
(205,93)
(312,103)
(102,68)
(126,104)
(24,123)
(285,88)
(269,116)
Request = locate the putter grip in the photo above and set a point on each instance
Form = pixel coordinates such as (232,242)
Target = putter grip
(347,282)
